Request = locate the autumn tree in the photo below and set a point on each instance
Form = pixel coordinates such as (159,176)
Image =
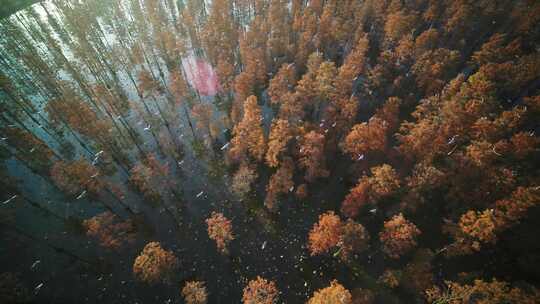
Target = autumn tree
(399,23)
(219,34)
(340,115)
(110,231)
(279,31)
(281,133)
(433,68)
(194,292)
(476,228)
(76,177)
(356,199)
(82,118)
(29,148)
(383,182)
(280,183)
(391,278)
(324,82)
(389,113)
(260,291)
(282,83)
(330,233)
(480,292)
(147,176)
(366,137)
(178,86)
(325,234)
(220,230)
(203,114)
(307,88)
(254,74)
(248,135)
(333,294)
(424,179)
(398,236)
(312,156)
(155,264)
(352,67)
(354,239)
(243,179)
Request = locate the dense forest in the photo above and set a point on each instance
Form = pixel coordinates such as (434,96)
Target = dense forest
(270,151)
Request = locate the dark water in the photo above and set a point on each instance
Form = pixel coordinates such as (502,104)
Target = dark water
(108,275)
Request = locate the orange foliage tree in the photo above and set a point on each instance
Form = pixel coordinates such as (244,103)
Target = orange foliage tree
(356,199)
(382,182)
(352,67)
(366,137)
(331,233)
(281,134)
(354,239)
(194,292)
(398,236)
(326,234)
(220,230)
(260,291)
(148,176)
(389,113)
(203,113)
(280,182)
(282,83)
(76,177)
(81,117)
(481,227)
(110,231)
(481,292)
(312,157)
(155,264)
(333,294)
(248,135)
(399,23)
(30,148)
